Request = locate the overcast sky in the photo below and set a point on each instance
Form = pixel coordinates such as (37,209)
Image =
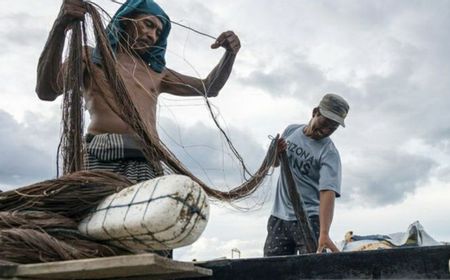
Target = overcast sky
(389,59)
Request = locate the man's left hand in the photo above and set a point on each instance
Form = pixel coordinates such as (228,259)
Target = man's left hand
(229,41)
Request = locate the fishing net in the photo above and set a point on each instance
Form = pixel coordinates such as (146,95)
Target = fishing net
(37,222)
(26,245)
(72,195)
(122,104)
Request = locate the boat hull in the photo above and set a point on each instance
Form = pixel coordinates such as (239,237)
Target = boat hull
(417,262)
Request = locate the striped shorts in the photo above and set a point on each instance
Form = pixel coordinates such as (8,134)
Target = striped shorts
(120,154)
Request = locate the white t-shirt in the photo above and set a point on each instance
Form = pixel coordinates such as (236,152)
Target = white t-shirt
(315,166)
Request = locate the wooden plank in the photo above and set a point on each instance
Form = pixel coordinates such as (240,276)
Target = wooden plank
(120,267)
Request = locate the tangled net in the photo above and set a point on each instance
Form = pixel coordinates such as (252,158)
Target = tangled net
(154,150)
(38,223)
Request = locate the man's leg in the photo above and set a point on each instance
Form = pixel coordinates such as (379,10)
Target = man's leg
(279,240)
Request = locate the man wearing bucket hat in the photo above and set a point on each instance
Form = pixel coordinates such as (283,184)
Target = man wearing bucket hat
(316,168)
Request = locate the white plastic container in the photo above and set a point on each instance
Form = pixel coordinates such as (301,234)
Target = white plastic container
(163,213)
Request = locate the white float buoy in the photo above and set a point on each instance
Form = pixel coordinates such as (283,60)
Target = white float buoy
(163,213)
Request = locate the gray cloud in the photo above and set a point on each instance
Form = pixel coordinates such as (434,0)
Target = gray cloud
(194,14)
(384,177)
(444,174)
(205,152)
(288,79)
(21,30)
(297,78)
(26,149)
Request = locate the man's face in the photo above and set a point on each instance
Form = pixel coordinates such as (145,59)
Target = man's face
(144,31)
(320,127)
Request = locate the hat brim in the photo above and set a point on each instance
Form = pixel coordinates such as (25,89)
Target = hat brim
(332,116)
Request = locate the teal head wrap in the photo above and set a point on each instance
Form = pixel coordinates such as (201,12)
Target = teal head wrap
(154,56)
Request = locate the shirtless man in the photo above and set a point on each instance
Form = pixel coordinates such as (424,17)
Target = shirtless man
(139,52)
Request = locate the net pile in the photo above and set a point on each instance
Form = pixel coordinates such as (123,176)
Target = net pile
(38,223)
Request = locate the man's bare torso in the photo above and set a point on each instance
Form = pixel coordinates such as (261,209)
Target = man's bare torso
(143,85)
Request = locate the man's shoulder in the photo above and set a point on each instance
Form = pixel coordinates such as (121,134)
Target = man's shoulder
(294,126)
(329,148)
(291,128)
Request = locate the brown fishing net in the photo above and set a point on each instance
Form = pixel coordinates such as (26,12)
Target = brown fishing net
(72,195)
(38,222)
(153,149)
(23,245)
(72,113)
(35,220)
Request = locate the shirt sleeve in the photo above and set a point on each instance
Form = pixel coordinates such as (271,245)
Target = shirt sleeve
(330,171)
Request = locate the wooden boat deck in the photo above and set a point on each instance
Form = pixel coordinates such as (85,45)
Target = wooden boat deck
(135,267)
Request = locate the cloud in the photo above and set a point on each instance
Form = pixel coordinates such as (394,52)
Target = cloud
(193,14)
(204,248)
(205,151)
(292,75)
(27,150)
(384,177)
(228,229)
(426,205)
(289,78)
(20,31)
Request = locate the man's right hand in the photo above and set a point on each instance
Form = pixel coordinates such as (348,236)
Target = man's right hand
(71,10)
(229,41)
(282,145)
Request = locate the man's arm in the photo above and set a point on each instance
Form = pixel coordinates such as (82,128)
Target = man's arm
(179,84)
(326,211)
(49,79)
